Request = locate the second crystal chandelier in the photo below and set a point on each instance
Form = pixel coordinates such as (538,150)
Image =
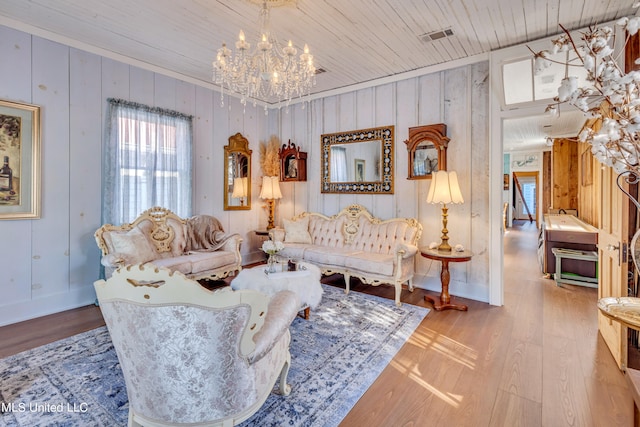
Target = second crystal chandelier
(268,72)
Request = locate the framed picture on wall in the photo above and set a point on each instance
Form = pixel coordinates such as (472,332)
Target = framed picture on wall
(505,178)
(19,160)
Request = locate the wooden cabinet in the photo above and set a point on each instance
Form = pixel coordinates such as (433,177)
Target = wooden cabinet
(567,232)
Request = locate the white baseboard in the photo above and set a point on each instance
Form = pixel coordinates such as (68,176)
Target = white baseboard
(49,304)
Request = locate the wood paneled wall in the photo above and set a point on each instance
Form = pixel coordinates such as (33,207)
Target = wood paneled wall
(588,185)
(565,178)
(575,179)
(52,262)
(546,181)
(460,99)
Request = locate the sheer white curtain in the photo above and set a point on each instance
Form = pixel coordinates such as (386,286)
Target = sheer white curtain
(419,168)
(338,164)
(147,161)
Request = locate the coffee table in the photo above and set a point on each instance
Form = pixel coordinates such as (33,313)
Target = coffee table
(305,282)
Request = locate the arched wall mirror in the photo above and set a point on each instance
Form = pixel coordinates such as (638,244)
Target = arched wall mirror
(358,162)
(237,174)
(427,147)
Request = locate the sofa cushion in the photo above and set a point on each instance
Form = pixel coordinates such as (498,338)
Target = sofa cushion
(203,261)
(327,255)
(297,231)
(293,250)
(370,262)
(197,262)
(179,263)
(133,245)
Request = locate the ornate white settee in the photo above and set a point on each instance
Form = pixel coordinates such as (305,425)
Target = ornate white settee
(196,247)
(191,356)
(354,244)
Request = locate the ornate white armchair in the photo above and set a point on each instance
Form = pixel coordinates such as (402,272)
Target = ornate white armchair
(194,356)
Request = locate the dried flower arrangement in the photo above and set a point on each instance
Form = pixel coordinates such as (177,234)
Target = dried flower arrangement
(613,97)
(269,157)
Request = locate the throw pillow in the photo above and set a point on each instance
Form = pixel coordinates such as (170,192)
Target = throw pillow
(297,231)
(133,245)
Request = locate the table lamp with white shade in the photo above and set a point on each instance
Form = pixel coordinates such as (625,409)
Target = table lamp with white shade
(270,192)
(240,189)
(444,189)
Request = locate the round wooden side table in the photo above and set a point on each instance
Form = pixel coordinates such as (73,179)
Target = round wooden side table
(444,303)
(626,310)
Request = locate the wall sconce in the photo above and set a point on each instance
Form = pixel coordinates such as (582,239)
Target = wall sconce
(240,186)
(444,189)
(270,192)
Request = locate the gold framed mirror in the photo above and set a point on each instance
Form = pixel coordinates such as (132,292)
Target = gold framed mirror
(358,161)
(427,147)
(237,174)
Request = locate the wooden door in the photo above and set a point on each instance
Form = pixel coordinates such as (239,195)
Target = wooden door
(612,244)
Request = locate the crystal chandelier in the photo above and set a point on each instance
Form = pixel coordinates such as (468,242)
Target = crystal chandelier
(269,71)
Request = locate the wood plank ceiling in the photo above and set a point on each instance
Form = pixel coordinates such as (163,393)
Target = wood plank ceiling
(355,41)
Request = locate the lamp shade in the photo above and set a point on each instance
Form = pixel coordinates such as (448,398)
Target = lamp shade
(270,188)
(240,187)
(444,188)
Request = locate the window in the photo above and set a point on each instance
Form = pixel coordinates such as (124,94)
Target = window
(520,84)
(338,164)
(529,193)
(147,161)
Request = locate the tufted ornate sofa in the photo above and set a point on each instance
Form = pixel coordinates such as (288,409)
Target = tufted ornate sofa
(196,247)
(354,244)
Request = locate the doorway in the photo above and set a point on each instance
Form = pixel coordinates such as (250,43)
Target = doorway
(525,196)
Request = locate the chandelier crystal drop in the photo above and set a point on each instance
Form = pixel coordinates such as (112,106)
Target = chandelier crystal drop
(267,72)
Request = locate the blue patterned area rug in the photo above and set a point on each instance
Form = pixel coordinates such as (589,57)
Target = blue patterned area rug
(335,356)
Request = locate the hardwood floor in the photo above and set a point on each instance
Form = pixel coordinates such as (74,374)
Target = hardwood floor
(43,330)
(536,361)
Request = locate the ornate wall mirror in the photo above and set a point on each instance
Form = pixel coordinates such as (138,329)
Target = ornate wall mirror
(427,146)
(237,174)
(358,162)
